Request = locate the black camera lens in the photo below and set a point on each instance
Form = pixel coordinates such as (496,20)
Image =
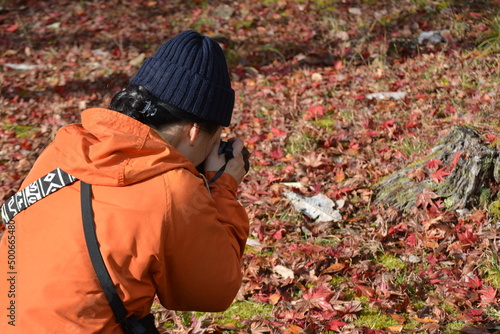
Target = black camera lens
(226,148)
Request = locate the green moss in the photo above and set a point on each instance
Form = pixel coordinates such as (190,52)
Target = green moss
(454,327)
(263,252)
(399,191)
(448,202)
(440,188)
(494,210)
(186,318)
(245,24)
(327,241)
(327,5)
(324,122)
(374,319)
(364,300)
(238,311)
(204,22)
(245,310)
(390,261)
(419,304)
(336,280)
(442,5)
(493,273)
(448,308)
(485,196)
(411,325)
(22,131)
(169,325)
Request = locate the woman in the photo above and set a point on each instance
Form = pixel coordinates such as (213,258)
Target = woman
(161,230)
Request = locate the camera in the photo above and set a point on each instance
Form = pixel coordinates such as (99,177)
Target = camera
(226,148)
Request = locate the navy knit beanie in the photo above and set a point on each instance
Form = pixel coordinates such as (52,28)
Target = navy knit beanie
(190,72)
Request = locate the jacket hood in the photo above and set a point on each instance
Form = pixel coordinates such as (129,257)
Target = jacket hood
(112,149)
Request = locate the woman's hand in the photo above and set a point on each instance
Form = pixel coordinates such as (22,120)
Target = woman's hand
(235,166)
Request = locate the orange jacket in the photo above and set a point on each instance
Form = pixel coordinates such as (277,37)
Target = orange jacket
(160,232)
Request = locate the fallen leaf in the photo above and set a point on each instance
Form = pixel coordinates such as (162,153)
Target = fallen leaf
(399,318)
(416,174)
(433,163)
(425,320)
(336,267)
(12,28)
(319,298)
(274,299)
(314,112)
(386,95)
(335,324)
(284,272)
(319,207)
(397,328)
(425,199)
(292,329)
(474,330)
(313,160)
(488,295)
(316,77)
(438,176)
(137,61)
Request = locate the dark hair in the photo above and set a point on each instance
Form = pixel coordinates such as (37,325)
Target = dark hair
(136,102)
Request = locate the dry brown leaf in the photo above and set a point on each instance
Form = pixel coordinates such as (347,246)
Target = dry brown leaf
(397,328)
(274,299)
(399,318)
(425,320)
(292,329)
(336,267)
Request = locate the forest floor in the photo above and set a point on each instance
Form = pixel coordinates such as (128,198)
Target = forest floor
(303,72)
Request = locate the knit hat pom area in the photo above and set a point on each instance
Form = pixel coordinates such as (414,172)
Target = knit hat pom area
(190,72)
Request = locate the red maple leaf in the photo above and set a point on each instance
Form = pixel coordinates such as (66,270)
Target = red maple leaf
(473,282)
(455,159)
(488,296)
(411,240)
(401,227)
(490,137)
(314,112)
(474,315)
(335,324)
(425,199)
(276,154)
(278,132)
(465,233)
(412,124)
(363,290)
(388,123)
(434,163)
(319,298)
(12,28)
(438,176)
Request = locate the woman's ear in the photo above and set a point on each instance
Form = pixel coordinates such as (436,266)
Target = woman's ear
(194,132)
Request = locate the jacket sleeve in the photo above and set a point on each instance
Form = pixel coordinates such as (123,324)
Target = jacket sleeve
(204,237)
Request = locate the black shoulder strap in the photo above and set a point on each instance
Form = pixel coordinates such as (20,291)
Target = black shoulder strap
(34,192)
(131,324)
(218,174)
